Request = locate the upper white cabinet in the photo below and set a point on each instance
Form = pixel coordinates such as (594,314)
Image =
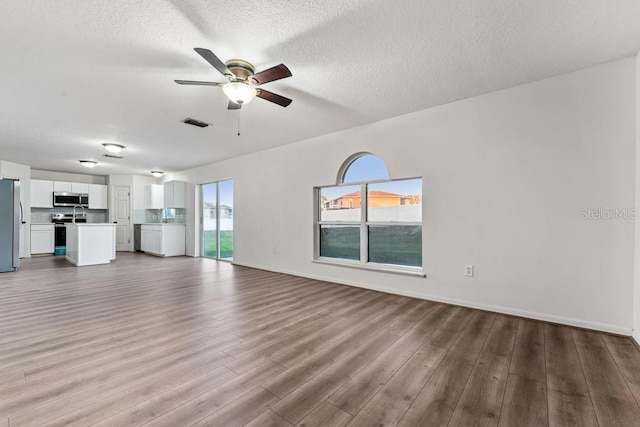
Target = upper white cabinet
(41,194)
(98,196)
(70,187)
(153,196)
(79,187)
(175,194)
(62,187)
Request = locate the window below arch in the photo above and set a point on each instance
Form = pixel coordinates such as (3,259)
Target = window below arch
(368,219)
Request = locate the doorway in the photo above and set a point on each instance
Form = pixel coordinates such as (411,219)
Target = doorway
(217,220)
(122,218)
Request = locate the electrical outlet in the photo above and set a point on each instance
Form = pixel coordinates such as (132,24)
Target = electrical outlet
(273,249)
(468,270)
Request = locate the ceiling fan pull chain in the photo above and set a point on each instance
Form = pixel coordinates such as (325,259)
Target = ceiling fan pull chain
(238,122)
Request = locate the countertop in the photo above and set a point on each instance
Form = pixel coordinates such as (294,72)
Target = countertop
(91,224)
(163,223)
(78,223)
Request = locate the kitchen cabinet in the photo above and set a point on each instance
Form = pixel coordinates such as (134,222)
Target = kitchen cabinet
(70,187)
(42,239)
(154,196)
(41,193)
(79,187)
(145,238)
(163,239)
(175,194)
(62,187)
(91,244)
(98,196)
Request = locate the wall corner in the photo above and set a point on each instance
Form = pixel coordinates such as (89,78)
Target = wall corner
(636,255)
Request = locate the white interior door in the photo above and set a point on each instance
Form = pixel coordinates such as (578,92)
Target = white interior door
(122,218)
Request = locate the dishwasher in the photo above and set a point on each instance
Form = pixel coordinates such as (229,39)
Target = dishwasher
(137,237)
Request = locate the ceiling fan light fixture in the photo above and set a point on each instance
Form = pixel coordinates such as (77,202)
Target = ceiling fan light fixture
(239,92)
(157,174)
(88,163)
(113,148)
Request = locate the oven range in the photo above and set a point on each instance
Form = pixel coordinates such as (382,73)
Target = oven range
(59,220)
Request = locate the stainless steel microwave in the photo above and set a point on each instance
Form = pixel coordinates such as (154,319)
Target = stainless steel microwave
(70,199)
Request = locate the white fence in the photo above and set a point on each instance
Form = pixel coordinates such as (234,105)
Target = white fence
(403,213)
(226,224)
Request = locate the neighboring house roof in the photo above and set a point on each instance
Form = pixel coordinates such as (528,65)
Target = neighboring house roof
(374,193)
(211,205)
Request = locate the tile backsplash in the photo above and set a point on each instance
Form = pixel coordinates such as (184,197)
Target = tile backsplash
(43,215)
(151,216)
(140,216)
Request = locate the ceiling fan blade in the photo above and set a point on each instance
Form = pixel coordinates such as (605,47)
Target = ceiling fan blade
(271,74)
(212,59)
(233,106)
(273,97)
(193,82)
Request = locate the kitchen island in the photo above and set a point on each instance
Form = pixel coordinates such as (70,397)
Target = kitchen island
(91,244)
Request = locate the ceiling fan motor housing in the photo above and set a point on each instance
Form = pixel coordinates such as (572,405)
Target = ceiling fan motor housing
(240,68)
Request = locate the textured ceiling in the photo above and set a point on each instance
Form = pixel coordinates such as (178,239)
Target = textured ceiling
(77,73)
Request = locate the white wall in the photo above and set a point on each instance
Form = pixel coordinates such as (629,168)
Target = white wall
(505,178)
(636,278)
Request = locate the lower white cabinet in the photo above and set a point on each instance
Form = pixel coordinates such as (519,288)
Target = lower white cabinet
(163,239)
(42,239)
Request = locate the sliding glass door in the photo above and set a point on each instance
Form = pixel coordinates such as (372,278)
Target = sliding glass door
(217,220)
(209,220)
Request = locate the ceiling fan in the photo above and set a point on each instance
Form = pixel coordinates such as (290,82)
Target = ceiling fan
(243,80)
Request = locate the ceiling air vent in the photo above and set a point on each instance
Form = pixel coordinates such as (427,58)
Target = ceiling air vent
(195,122)
(113,156)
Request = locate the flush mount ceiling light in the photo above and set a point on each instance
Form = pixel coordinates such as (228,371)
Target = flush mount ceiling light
(113,148)
(88,163)
(157,174)
(239,92)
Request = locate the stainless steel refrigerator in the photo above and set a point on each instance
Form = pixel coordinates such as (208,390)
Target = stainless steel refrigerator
(10,220)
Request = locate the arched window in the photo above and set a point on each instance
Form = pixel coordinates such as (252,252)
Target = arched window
(362,167)
(368,219)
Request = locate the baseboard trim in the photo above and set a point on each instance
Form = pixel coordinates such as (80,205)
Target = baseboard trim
(603,327)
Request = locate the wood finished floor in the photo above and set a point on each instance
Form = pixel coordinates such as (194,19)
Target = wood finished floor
(183,341)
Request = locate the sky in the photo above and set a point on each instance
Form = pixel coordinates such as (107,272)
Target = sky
(226,192)
(366,168)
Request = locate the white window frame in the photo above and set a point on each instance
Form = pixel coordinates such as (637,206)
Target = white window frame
(363,224)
